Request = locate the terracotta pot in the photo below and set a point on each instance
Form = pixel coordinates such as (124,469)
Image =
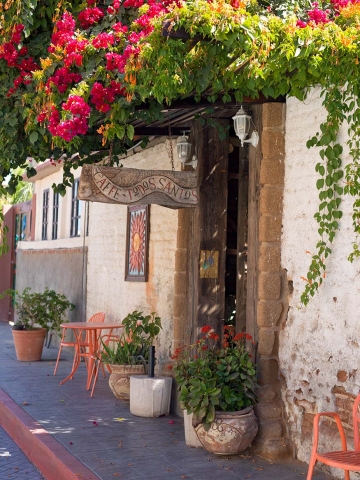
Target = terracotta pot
(119,380)
(29,344)
(230,433)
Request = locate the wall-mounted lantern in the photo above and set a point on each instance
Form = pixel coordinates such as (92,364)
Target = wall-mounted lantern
(242,127)
(183,148)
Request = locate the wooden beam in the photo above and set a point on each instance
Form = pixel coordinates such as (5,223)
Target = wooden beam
(158,131)
(190,102)
(180,33)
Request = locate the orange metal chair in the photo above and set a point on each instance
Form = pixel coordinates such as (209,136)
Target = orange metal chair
(105,339)
(97,317)
(348,460)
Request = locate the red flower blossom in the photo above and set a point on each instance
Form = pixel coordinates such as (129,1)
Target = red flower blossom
(63,30)
(90,17)
(103,40)
(214,336)
(73,58)
(133,3)
(205,329)
(77,106)
(120,28)
(62,78)
(16,36)
(115,61)
(238,337)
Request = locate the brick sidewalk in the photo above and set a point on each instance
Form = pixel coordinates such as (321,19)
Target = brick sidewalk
(13,463)
(110,441)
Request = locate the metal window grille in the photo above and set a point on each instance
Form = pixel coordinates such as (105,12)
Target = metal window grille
(55,216)
(75,211)
(45,213)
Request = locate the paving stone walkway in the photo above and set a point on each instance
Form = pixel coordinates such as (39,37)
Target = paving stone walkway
(13,463)
(110,441)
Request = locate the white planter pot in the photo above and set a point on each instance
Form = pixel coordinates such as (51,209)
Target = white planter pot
(191,438)
(150,397)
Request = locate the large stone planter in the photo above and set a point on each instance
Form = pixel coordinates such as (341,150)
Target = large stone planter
(119,380)
(230,433)
(150,396)
(29,344)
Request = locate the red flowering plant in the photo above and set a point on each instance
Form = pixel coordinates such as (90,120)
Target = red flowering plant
(215,377)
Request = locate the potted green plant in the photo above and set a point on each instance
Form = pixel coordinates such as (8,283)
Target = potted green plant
(129,354)
(217,385)
(36,314)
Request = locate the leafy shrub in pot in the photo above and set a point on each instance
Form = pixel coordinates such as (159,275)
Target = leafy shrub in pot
(215,377)
(132,348)
(129,354)
(39,310)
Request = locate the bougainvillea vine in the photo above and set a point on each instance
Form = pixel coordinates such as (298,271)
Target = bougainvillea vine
(75,77)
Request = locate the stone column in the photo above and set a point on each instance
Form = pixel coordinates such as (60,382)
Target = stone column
(272,294)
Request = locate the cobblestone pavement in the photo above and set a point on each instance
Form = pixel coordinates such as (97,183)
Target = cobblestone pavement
(110,441)
(13,463)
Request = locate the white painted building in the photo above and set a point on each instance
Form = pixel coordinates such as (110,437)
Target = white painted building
(319,344)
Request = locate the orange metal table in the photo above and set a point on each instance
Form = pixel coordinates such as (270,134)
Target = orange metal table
(94,330)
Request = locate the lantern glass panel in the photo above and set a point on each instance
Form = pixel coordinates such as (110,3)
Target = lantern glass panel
(183,149)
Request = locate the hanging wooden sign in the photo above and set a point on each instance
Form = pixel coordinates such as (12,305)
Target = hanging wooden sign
(130,186)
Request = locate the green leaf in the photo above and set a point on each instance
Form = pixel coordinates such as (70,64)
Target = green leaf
(33,137)
(325,139)
(320,183)
(130,131)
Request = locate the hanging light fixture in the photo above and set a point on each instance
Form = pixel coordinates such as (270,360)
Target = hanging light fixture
(183,148)
(242,127)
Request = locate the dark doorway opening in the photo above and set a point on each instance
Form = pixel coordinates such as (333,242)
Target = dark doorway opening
(237,236)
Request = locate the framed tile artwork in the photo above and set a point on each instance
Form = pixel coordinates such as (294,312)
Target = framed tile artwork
(137,243)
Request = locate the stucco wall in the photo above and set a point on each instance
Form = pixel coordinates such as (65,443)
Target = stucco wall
(57,264)
(58,269)
(319,344)
(106,288)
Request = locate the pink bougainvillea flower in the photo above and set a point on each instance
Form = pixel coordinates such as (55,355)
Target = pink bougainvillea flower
(89,17)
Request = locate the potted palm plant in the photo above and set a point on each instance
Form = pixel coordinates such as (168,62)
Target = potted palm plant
(217,383)
(36,315)
(128,355)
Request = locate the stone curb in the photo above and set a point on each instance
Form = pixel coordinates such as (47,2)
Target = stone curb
(45,452)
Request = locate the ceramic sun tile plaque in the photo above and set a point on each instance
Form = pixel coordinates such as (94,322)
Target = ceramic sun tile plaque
(137,243)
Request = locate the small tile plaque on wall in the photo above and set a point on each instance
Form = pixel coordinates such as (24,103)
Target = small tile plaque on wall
(209,264)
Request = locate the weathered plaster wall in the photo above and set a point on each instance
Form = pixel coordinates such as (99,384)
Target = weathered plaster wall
(58,269)
(57,264)
(106,288)
(319,344)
